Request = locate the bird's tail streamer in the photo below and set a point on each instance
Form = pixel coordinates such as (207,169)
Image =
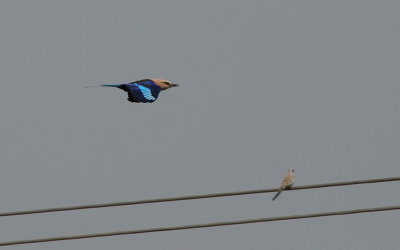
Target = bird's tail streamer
(104,85)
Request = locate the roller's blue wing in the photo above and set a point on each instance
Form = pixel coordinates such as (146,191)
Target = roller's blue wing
(142,91)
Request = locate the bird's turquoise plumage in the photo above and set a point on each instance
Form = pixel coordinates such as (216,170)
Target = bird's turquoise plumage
(146,93)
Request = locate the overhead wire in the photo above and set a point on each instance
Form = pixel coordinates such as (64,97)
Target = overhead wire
(194,226)
(193,197)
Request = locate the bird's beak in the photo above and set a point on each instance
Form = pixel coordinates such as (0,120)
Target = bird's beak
(174,85)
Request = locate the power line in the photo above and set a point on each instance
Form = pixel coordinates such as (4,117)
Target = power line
(185,227)
(192,197)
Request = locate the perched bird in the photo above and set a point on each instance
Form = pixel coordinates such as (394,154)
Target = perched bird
(287,182)
(145,90)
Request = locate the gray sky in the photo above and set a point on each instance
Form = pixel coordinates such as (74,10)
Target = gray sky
(265,86)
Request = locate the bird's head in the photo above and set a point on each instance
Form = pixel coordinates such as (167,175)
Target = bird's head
(291,170)
(164,84)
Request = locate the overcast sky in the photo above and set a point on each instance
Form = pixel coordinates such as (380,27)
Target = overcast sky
(264,86)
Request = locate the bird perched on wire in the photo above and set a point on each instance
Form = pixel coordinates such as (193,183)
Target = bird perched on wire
(145,90)
(287,182)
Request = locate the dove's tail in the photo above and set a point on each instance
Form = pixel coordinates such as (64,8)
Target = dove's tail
(277,194)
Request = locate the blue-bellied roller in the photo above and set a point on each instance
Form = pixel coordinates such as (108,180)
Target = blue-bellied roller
(145,90)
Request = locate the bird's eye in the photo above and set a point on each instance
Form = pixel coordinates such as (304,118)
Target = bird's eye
(168,83)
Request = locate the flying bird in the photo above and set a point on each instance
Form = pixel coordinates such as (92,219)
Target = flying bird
(287,182)
(145,90)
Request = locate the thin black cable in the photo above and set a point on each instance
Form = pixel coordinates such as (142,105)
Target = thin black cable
(192,197)
(185,227)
